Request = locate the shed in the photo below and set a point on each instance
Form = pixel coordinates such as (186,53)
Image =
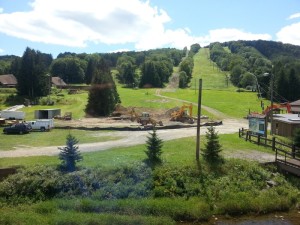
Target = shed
(285,124)
(58,82)
(8,80)
(295,106)
(46,113)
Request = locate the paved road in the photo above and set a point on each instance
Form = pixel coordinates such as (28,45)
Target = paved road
(129,138)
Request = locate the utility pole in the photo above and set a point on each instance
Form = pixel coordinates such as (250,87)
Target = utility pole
(272,101)
(198,121)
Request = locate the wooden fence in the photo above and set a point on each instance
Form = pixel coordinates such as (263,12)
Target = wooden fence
(284,153)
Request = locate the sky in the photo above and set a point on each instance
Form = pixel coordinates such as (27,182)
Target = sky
(100,26)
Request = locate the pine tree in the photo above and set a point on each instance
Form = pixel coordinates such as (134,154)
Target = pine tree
(69,154)
(212,148)
(103,95)
(154,149)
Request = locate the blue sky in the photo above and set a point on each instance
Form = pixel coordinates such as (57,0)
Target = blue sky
(56,26)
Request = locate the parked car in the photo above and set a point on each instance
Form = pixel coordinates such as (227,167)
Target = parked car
(19,128)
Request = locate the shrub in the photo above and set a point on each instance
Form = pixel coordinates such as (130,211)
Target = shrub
(69,155)
(154,151)
(212,148)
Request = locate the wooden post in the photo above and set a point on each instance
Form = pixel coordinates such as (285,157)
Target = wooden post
(198,121)
(273,143)
(293,151)
(258,139)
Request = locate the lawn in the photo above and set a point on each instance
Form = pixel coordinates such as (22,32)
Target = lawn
(56,137)
(232,103)
(175,152)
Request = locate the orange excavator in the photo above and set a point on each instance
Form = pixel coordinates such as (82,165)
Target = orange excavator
(278,106)
(184,114)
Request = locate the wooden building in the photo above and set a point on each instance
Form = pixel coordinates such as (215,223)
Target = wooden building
(285,124)
(295,106)
(58,82)
(8,80)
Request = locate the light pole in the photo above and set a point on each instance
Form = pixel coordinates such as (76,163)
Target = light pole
(272,101)
(259,93)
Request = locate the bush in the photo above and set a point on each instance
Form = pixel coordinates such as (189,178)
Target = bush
(69,155)
(154,151)
(212,148)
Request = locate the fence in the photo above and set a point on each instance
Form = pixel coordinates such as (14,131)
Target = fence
(284,153)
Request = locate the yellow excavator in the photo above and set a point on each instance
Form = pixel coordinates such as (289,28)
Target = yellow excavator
(184,114)
(144,119)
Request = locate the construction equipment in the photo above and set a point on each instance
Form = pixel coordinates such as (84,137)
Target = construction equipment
(67,116)
(144,118)
(184,114)
(278,106)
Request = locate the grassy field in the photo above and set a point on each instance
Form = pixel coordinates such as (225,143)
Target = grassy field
(181,151)
(212,76)
(233,104)
(56,137)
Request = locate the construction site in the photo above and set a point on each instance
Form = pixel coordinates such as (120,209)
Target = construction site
(132,118)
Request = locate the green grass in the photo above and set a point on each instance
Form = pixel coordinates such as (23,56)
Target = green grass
(56,137)
(175,152)
(211,75)
(232,103)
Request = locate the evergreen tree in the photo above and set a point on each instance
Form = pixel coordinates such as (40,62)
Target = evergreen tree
(154,149)
(69,154)
(32,76)
(103,95)
(212,149)
(293,87)
(297,138)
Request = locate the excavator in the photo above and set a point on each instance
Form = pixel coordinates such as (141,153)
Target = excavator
(278,106)
(184,114)
(144,119)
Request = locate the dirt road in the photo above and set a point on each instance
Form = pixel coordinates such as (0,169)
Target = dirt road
(129,138)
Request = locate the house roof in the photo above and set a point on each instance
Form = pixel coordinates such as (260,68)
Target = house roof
(295,102)
(287,118)
(58,81)
(8,79)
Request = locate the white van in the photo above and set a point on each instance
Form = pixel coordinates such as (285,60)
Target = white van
(42,124)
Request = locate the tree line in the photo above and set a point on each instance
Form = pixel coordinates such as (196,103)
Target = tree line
(135,69)
(252,62)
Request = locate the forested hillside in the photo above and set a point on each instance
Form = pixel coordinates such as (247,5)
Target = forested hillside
(247,63)
(252,62)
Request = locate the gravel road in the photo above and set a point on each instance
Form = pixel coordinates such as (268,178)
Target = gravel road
(129,138)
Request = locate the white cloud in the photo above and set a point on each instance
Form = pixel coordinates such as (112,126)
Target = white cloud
(76,23)
(230,34)
(290,34)
(1,50)
(1,10)
(294,16)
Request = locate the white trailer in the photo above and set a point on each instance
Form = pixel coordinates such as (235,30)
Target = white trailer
(42,124)
(12,115)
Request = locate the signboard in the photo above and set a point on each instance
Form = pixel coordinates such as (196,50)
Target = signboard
(257,125)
